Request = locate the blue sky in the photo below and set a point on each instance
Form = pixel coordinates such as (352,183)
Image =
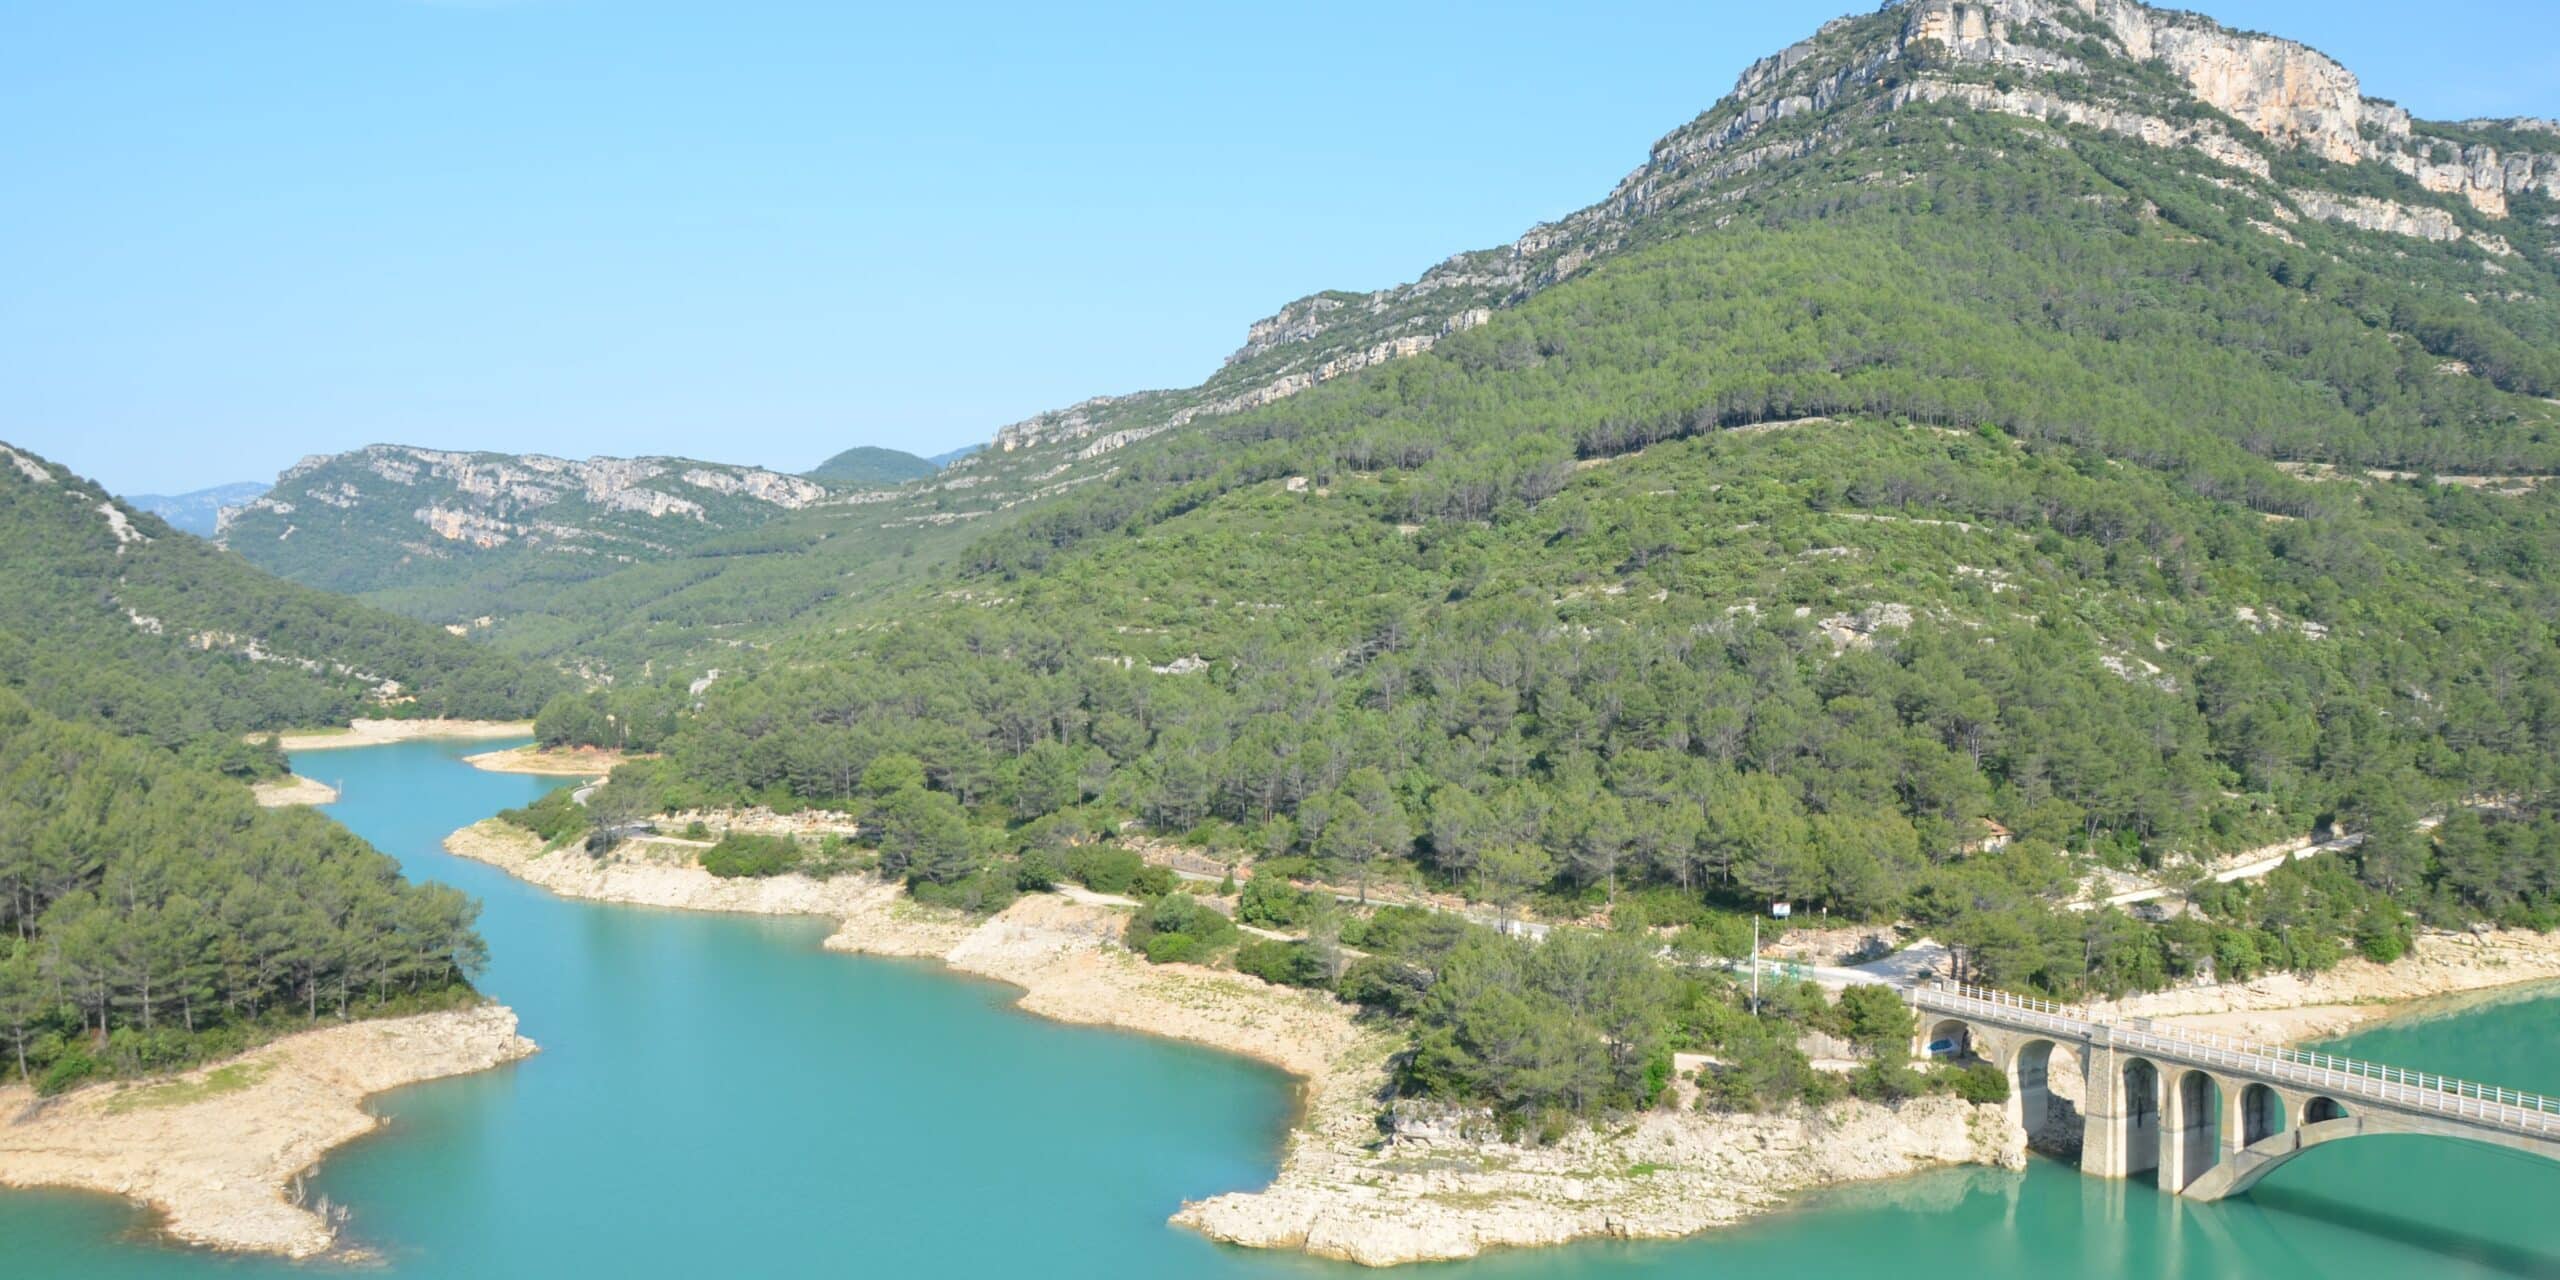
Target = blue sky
(235,233)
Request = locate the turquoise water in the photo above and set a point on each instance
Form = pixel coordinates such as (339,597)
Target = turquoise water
(716,1096)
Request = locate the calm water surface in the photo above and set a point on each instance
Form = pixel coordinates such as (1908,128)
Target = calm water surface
(716,1096)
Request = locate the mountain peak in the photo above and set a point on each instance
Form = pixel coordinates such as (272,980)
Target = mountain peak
(2162,77)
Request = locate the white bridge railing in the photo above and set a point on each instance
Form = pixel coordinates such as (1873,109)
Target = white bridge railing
(2531,1114)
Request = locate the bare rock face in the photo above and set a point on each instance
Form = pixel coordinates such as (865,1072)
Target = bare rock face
(2379,215)
(2285,92)
(373,517)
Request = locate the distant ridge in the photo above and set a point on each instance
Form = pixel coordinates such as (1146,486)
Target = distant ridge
(197,511)
(870,467)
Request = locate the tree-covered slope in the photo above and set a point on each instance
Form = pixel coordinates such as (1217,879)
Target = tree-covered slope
(151,915)
(869,467)
(111,617)
(430,532)
(1922,444)
(2436,233)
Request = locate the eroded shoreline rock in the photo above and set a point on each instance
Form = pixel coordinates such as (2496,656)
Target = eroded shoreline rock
(214,1151)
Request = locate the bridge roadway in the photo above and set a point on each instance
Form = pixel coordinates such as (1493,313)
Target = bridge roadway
(2213,1114)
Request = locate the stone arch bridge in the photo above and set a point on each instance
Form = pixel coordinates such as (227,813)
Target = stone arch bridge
(2212,1114)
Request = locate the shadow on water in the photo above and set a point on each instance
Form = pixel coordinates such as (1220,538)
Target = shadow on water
(2364,1219)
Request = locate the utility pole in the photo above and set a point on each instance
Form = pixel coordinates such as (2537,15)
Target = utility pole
(1777,911)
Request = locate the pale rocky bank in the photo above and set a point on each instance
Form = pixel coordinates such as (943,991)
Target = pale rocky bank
(216,1150)
(293,789)
(2285,1007)
(374,733)
(549,762)
(1429,1194)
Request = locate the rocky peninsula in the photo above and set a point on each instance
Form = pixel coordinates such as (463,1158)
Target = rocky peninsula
(217,1152)
(293,789)
(549,762)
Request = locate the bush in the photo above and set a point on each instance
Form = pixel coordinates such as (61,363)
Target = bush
(1172,948)
(1385,984)
(1874,1018)
(1977,1082)
(555,817)
(1274,903)
(68,1070)
(1287,964)
(2382,935)
(739,855)
(988,891)
(1153,883)
(1037,871)
(1104,868)
(1178,927)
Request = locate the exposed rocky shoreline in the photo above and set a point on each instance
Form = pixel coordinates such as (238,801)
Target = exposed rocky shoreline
(2285,1007)
(1425,1187)
(293,789)
(1341,1191)
(549,762)
(216,1151)
(374,733)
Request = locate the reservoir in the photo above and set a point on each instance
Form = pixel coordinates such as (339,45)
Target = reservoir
(717,1096)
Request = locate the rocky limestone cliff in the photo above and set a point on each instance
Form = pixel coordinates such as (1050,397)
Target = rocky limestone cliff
(506,484)
(368,518)
(2054,60)
(2284,91)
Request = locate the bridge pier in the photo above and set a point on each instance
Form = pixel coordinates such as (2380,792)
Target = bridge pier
(2121,1125)
(2196,1127)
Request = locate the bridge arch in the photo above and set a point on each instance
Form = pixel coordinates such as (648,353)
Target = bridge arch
(2047,1089)
(2261,1114)
(2194,1129)
(1955,1034)
(2321,1110)
(2138,1106)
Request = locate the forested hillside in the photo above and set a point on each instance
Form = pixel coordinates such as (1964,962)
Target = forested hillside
(110,617)
(1923,446)
(869,467)
(451,536)
(151,915)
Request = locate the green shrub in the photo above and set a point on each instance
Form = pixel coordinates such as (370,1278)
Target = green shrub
(1037,871)
(1274,903)
(1104,868)
(739,855)
(989,890)
(555,817)
(1288,964)
(1389,985)
(2382,936)
(837,856)
(1202,930)
(1977,1082)
(67,1072)
(1153,882)
(1172,948)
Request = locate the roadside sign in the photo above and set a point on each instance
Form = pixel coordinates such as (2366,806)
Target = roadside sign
(1781,910)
